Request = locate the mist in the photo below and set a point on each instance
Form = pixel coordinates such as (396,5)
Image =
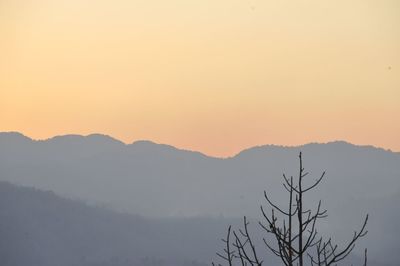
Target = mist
(182,201)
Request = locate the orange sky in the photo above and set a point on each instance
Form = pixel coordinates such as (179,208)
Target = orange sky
(215,76)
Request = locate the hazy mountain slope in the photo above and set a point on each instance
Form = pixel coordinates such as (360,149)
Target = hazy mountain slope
(40,228)
(159,180)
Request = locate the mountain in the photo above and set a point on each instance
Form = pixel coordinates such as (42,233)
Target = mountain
(159,180)
(38,228)
(156,180)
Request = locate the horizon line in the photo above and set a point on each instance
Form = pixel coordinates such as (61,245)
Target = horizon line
(196,151)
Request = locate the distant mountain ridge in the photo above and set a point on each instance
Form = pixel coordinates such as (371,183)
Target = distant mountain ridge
(103,138)
(159,180)
(100,165)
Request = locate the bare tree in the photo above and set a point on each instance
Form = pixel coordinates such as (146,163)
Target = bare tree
(294,230)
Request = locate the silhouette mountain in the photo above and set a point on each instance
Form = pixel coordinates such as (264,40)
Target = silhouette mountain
(157,180)
(38,228)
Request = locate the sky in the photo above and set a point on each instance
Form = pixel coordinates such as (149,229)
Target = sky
(215,76)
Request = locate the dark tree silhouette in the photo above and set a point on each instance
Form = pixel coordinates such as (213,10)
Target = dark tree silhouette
(294,230)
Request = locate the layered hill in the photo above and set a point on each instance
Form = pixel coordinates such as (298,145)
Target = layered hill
(157,180)
(38,228)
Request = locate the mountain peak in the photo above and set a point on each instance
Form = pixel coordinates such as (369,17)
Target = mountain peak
(337,144)
(14,137)
(92,138)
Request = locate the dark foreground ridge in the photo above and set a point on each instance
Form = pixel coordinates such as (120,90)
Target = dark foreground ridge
(38,228)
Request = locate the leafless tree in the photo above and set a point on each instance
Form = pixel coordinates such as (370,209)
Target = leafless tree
(294,230)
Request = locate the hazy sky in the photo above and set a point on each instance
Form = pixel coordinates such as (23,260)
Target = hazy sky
(210,75)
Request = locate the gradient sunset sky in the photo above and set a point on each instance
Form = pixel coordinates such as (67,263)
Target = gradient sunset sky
(215,76)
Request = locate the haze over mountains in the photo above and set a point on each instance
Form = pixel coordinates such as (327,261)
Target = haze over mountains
(38,228)
(161,181)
